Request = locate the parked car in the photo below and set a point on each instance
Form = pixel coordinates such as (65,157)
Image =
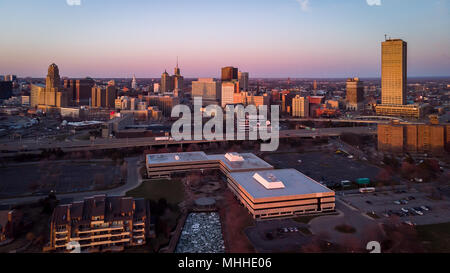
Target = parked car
(409,223)
(405,210)
(404,202)
(397,202)
(425,208)
(369,202)
(411,198)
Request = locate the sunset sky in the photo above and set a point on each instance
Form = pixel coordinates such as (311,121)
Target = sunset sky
(276,38)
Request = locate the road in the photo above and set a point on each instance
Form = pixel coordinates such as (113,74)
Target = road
(98,144)
(133,181)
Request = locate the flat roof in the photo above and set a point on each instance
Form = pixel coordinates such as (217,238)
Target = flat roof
(251,162)
(295,182)
(171,157)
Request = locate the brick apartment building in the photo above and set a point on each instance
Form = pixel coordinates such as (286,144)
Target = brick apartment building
(414,138)
(100,223)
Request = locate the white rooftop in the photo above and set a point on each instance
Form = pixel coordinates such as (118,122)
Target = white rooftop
(269,181)
(176,157)
(249,162)
(294,182)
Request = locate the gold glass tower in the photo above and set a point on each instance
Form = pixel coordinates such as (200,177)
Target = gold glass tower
(393,72)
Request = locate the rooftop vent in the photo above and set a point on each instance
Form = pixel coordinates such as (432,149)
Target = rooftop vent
(234,157)
(269,181)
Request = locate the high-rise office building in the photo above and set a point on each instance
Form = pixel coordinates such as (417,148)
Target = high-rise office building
(394,81)
(177,81)
(300,106)
(111,94)
(243,81)
(166,82)
(229,73)
(208,89)
(53,96)
(103,97)
(6,89)
(79,90)
(98,97)
(227,94)
(393,72)
(355,94)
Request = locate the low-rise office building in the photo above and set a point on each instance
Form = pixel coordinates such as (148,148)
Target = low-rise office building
(264,191)
(280,193)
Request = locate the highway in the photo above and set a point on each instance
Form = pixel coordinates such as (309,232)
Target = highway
(114,143)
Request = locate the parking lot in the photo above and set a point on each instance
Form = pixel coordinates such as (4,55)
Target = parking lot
(408,206)
(278,235)
(325,166)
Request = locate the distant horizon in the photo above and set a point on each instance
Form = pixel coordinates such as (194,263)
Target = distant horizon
(218,78)
(267,38)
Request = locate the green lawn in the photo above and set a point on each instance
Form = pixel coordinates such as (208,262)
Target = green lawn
(436,237)
(172,190)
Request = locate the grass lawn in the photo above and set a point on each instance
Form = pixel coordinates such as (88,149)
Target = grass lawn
(436,237)
(172,190)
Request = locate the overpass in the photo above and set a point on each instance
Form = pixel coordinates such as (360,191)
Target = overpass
(31,146)
(360,119)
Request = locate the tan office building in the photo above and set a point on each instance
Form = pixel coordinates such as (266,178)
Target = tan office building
(393,72)
(355,94)
(53,96)
(300,107)
(208,89)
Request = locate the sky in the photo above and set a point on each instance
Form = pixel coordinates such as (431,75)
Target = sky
(267,38)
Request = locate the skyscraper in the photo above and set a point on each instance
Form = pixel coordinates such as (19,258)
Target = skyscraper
(53,96)
(393,72)
(229,73)
(134,82)
(243,81)
(172,83)
(355,94)
(166,82)
(393,81)
(53,81)
(79,90)
(177,81)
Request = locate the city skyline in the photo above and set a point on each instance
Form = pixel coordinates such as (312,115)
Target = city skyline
(298,39)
